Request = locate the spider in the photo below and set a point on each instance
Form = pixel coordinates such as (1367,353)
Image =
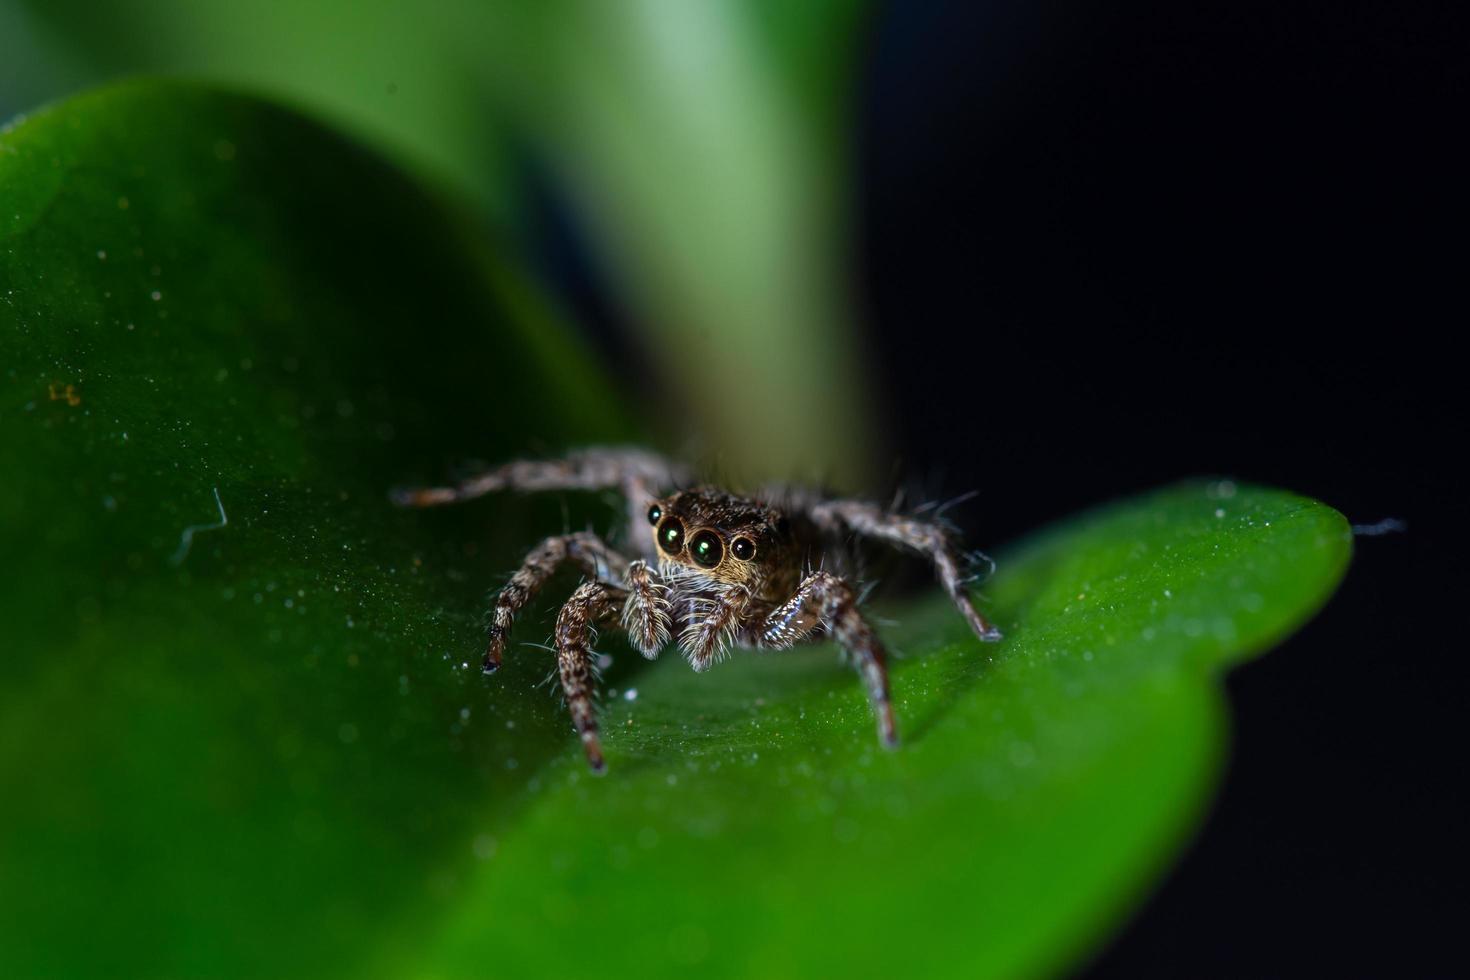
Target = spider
(715,570)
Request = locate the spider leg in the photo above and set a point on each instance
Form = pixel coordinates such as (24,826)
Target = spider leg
(646,611)
(825,600)
(593,603)
(709,634)
(596,559)
(638,473)
(871,521)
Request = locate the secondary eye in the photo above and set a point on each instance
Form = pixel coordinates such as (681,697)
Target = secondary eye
(671,536)
(654,513)
(707,549)
(743,548)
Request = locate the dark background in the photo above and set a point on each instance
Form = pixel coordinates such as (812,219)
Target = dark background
(1106,246)
(1109,245)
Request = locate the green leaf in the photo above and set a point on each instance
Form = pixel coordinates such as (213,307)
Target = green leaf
(263,748)
(247,755)
(396,74)
(704,148)
(751,824)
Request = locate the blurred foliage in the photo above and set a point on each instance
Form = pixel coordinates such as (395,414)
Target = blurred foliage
(718,196)
(390,72)
(703,145)
(247,755)
(263,748)
(33,67)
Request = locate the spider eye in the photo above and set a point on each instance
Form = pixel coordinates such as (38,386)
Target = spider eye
(707,549)
(671,536)
(654,513)
(743,548)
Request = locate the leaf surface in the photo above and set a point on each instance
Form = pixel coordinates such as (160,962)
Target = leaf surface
(261,745)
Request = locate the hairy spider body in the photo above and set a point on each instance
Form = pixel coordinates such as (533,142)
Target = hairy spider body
(713,571)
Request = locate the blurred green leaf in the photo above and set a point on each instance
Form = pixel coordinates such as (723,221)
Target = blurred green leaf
(254,760)
(269,752)
(704,145)
(33,67)
(390,72)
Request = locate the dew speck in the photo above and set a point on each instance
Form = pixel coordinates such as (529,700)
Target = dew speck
(156,296)
(464,714)
(631,694)
(102,255)
(1219,511)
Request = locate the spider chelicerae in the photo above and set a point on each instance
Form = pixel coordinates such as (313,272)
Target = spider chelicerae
(714,571)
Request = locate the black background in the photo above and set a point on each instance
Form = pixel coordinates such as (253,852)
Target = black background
(1109,245)
(1106,246)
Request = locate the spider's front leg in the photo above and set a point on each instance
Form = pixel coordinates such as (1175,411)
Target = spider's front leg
(637,473)
(709,634)
(931,540)
(593,604)
(825,600)
(646,610)
(596,559)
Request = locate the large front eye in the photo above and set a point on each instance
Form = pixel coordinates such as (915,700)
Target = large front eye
(671,536)
(707,549)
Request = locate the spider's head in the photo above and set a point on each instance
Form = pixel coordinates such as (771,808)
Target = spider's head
(712,534)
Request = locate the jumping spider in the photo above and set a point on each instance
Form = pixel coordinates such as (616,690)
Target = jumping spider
(715,571)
